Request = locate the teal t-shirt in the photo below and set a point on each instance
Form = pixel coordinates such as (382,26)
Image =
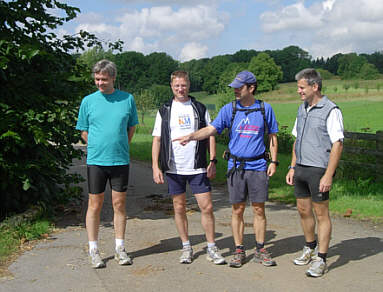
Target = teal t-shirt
(107,118)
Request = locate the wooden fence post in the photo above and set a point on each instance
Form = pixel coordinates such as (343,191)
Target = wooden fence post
(379,158)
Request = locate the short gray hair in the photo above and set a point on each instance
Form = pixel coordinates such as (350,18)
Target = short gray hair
(311,75)
(105,66)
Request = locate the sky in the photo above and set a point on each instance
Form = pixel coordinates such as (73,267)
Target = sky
(194,29)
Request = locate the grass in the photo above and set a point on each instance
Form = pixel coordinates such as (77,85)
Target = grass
(12,234)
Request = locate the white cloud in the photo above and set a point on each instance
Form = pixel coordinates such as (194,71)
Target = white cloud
(328,27)
(193,51)
(160,28)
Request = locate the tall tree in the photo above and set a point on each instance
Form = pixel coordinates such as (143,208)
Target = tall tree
(350,65)
(42,86)
(268,74)
(213,69)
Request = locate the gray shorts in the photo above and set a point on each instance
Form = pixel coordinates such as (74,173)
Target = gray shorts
(250,184)
(306,182)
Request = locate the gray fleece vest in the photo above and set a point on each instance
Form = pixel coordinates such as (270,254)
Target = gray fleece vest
(313,144)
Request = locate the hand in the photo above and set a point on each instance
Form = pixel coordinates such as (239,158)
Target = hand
(325,184)
(271,169)
(183,140)
(158,176)
(211,170)
(290,177)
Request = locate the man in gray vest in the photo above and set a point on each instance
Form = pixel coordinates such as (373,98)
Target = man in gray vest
(316,152)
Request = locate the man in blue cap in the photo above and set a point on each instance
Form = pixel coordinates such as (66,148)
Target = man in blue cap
(248,173)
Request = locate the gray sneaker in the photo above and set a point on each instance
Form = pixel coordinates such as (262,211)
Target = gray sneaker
(238,259)
(306,257)
(263,257)
(187,255)
(214,256)
(317,267)
(122,257)
(95,259)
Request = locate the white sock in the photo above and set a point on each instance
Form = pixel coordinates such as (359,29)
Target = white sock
(186,244)
(119,242)
(93,245)
(210,244)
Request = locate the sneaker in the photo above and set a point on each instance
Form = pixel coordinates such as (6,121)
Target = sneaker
(264,257)
(95,259)
(122,257)
(306,256)
(187,255)
(214,256)
(317,267)
(238,258)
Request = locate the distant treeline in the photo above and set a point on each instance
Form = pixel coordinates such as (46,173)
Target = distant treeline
(138,71)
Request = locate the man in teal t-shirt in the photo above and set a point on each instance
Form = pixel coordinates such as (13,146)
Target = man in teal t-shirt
(107,120)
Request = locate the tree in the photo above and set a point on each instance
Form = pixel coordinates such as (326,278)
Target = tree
(160,66)
(266,71)
(213,70)
(42,85)
(161,94)
(350,66)
(144,102)
(228,76)
(369,72)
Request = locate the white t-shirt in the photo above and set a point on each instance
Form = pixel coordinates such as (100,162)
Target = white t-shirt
(182,122)
(334,125)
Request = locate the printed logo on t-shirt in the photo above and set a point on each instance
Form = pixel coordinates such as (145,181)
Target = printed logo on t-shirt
(245,129)
(184,121)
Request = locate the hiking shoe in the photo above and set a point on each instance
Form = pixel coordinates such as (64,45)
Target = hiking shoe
(317,267)
(307,255)
(264,257)
(187,255)
(122,257)
(95,259)
(214,256)
(238,258)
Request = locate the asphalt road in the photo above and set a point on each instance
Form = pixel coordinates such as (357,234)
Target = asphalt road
(60,263)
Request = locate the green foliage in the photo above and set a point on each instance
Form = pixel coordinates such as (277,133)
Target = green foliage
(350,66)
(267,72)
(144,102)
(228,76)
(368,72)
(325,74)
(42,85)
(212,71)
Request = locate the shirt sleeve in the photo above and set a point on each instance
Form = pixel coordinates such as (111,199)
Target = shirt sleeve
(82,121)
(222,120)
(133,117)
(271,121)
(335,125)
(157,125)
(294,131)
(207,118)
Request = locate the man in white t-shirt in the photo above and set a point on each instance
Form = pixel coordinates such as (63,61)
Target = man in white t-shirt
(180,116)
(316,152)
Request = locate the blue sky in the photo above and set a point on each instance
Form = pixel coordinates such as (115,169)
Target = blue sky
(196,29)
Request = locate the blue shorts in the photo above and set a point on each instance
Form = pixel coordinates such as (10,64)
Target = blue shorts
(199,183)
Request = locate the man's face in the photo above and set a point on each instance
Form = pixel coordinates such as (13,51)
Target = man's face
(242,92)
(306,91)
(104,82)
(180,88)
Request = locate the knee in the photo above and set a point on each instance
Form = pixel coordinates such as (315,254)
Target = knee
(238,212)
(179,208)
(119,205)
(207,209)
(259,212)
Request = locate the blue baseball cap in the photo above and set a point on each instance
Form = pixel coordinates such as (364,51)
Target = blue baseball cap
(242,78)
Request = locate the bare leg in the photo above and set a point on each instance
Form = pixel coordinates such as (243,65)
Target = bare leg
(237,223)
(179,205)
(304,206)
(259,221)
(324,225)
(119,208)
(92,219)
(207,215)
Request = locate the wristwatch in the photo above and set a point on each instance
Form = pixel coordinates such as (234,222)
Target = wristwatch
(215,161)
(291,167)
(276,162)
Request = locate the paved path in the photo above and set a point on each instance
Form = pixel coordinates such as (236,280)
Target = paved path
(60,263)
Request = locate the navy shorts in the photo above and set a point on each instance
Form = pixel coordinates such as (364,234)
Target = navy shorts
(250,184)
(98,175)
(199,183)
(306,182)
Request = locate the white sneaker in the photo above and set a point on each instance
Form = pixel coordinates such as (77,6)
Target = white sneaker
(307,255)
(317,267)
(187,255)
(122,257)
(214,256)
(95,259)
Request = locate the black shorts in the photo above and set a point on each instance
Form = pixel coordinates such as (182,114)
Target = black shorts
(98,175)
(306,181)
